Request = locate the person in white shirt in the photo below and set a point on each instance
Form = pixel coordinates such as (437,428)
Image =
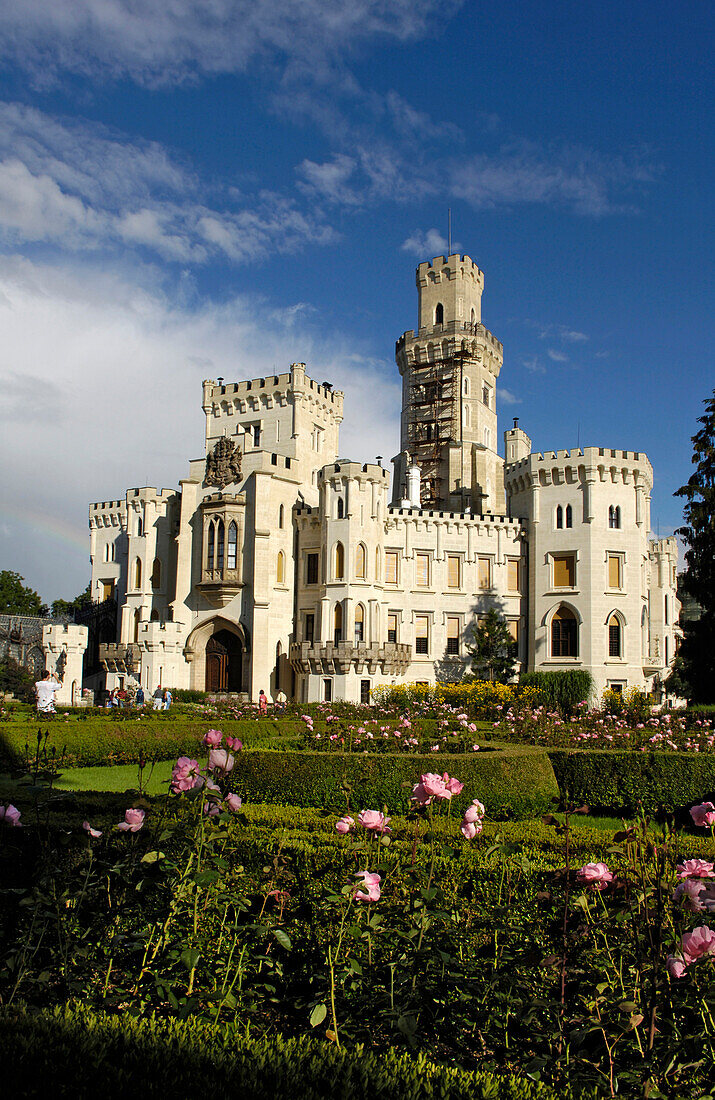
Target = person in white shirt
(45,691)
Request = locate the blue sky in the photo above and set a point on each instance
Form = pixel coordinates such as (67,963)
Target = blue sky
(203,189)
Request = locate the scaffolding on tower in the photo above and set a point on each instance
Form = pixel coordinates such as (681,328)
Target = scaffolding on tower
(433,419)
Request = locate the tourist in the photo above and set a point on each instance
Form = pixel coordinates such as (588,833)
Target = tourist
(262,702)
(158,698)
(139,697)
(281,700)
(45,691)
(168,700)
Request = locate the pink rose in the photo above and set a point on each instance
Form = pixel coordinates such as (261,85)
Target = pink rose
(133,821)
(595,875)
(689,892)
(374,821)
(233,802)
(220,760)
(234,743)
(698,944)
(433,786)
(10,815)
(470,829)
(420,796)
(474,812)
(676,966)
(371,882)
(88,829)
(704,814)
(696,868)
(213,738)
(213,809)
(452,785)
(345,824)
(184,775)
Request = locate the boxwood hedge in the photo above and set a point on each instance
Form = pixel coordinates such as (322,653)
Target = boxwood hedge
(81,1054)
(611,780)
(512,780)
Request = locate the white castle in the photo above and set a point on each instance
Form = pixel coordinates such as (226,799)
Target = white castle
(278,566)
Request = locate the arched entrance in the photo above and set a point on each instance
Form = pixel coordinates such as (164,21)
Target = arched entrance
(223,662)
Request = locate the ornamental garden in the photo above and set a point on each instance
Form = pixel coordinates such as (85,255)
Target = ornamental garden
(472,889)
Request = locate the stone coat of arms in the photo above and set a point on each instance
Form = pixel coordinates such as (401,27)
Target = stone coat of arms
(223,464)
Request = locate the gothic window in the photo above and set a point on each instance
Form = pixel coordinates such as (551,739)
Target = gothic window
(439,314)
(569,516)
(281,516)
(154,616)
(614,516)
(338,623)
(232,544)
(559,516)
(137,620)
(140,526)
(614,636)
(665,610)
(138,573)
(359,624)
(467,416)
(341,508)
(473,317)
(466,385)
(339,558)
(487,437)
(106,552)
(280,568)
(360,562)
(564,634)
(210,546)
(219,546)
(156,574)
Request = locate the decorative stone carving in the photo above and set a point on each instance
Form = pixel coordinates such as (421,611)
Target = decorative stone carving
(223,464)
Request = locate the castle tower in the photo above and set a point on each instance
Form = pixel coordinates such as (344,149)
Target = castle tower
(449,370)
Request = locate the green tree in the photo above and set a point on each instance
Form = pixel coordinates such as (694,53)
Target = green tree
(67,608)
(16,598)
(694,670)
(492,651)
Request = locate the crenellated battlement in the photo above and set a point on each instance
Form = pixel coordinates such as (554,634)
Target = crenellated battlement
(342,469)
(579,464)
(451,267)
(275,385)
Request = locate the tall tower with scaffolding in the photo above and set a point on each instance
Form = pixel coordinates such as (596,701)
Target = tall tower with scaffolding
(449,370)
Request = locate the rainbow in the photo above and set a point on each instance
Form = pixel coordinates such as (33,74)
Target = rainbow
(60,530)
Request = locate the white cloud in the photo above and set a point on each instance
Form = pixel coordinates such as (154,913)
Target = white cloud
(557,356)
(428,244)
(507,397)
(81,187)
(100,377)
(534,365)
(157,43)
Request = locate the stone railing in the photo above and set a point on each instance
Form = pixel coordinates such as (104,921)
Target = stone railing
(389,658)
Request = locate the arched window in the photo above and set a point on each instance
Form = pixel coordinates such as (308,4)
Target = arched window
(140,525)
(467,416)
(473,317)
(645,640)
(360,562)
(106,552)
(439,314)
(210,546)
(154,616)
(281,516)
(665,611)
(569,516)
(378,570)
(280,568)
(232,544)
(359,624)
(156,574)
(564,633)
(559,516)
(614,636)
(138,573)
(219,546)
(341,508)
(137,620)
(338,623)
(339,557)
(466,387)
(614,516)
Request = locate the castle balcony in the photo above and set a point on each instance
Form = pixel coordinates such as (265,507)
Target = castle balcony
(219,586)
(329,658)
(120,657)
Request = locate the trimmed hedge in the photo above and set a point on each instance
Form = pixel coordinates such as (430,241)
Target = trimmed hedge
(564,689)
(80,1054)
(97,741)
(512,781)
(611,780)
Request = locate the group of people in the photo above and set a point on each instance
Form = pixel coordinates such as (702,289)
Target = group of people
(161,698)
(46,689)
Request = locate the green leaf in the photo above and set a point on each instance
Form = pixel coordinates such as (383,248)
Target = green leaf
(283,938)
(153,857)
(190,957)
(318,1015)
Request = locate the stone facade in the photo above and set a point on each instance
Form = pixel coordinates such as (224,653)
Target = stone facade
(277,565)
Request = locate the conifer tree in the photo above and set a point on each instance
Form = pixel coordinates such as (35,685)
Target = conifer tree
(694,668)
(493,650)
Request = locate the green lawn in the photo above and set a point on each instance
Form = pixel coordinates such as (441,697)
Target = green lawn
(120,778)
